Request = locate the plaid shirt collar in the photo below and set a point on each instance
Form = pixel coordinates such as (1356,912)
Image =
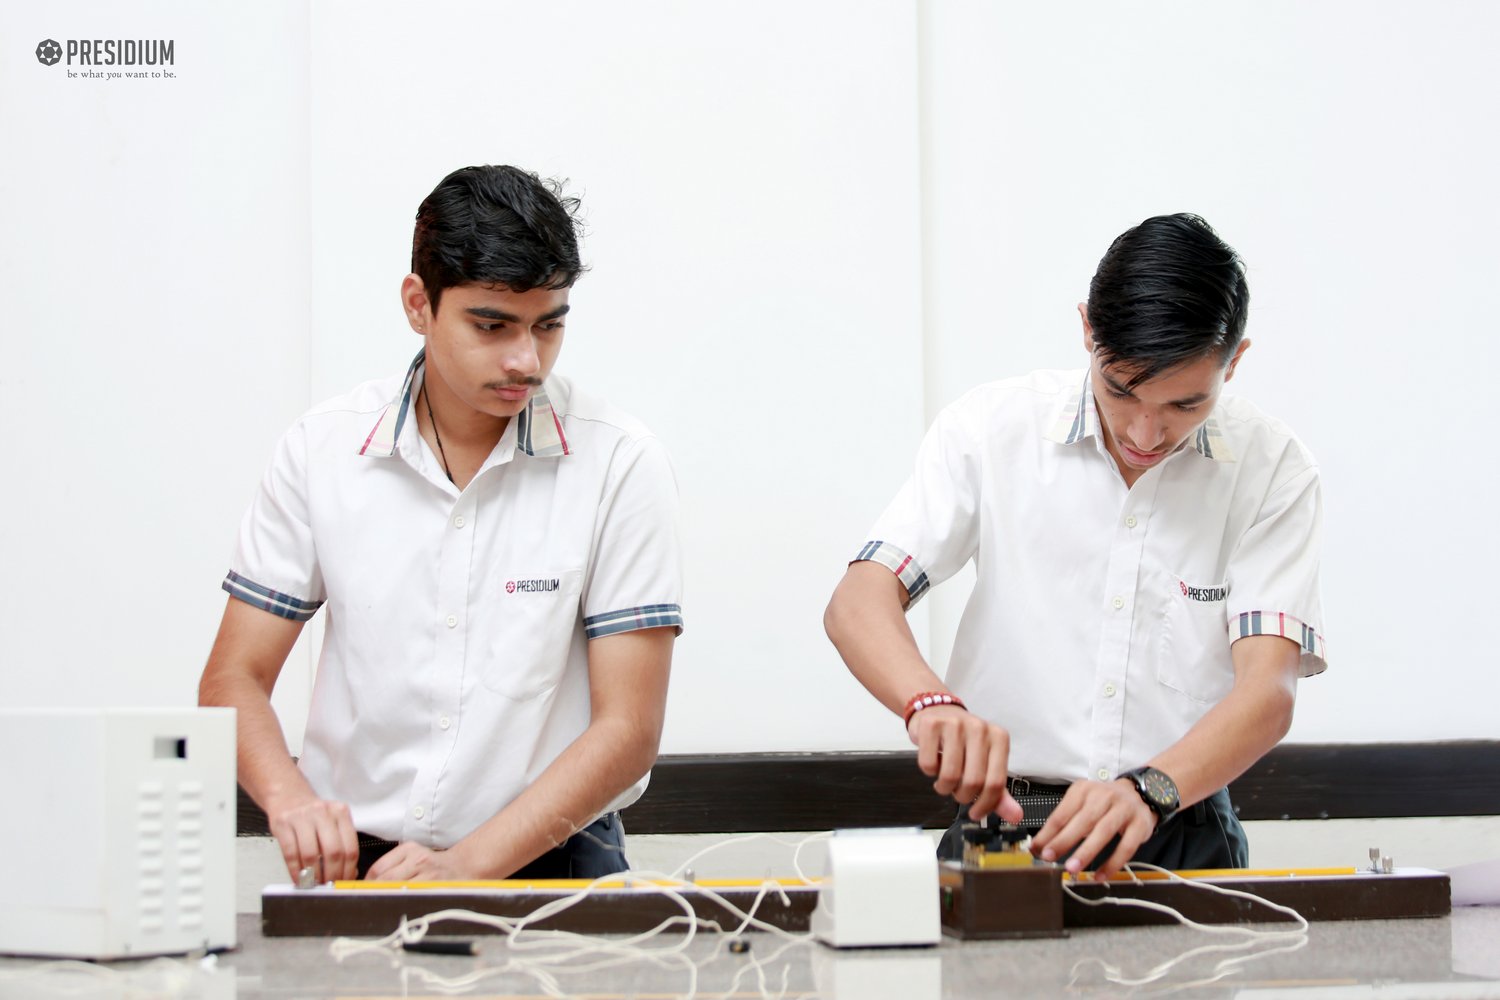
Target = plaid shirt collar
(1078,419)
(539,430)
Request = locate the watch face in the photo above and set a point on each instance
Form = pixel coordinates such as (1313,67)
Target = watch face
(1159,788)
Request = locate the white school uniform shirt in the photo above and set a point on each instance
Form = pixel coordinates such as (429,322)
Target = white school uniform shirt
(454,666)
(1101,619)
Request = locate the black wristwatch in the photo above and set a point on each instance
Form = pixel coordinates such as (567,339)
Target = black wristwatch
(1159,791)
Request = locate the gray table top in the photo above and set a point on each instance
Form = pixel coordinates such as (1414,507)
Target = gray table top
(1457,957)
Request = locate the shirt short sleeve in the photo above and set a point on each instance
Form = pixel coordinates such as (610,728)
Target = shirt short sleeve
(275,566)
(931,529)
(634,579)
(1273,573)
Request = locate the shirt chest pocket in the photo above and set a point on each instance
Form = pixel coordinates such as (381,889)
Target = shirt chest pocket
(1192,647)
(533,621)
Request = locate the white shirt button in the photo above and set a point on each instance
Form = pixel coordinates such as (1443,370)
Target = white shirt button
(1109,692)
(1103,773)
(444,723)
(1118,602)
(417,812)
(1130,521)
(458,521)
(452,621)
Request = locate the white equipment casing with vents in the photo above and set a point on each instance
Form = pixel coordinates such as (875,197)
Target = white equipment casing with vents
(119,829)
(881,890)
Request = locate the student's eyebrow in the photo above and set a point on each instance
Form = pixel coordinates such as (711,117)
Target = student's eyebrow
(485,312)
(1116,387)
(1192,400)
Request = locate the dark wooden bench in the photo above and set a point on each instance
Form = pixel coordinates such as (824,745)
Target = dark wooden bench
(760,792)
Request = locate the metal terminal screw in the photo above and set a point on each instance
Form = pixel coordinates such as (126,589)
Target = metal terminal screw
(307,878)
(689,875)
(1387,865)
(1374,859)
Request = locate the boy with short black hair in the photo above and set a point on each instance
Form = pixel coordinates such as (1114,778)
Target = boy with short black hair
(498,554)
(1147,576)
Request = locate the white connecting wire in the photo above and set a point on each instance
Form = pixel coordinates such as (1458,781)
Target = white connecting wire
(542,955)
(564,951)
(758,966)
(415,977)
(566,947)
(1288,940)
(797,846)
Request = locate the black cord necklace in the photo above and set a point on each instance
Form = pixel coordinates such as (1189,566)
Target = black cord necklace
(426,398)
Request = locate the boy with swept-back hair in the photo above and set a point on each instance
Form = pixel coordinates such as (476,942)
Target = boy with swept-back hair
(1146,595)
(499,558)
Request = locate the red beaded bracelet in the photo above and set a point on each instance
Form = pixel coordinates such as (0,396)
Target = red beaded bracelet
(927,699)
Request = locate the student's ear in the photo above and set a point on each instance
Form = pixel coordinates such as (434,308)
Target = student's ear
(1088,331)
(415,304)
(1239,352)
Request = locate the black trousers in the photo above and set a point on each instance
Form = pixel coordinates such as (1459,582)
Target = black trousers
(1205,835)
(598,849)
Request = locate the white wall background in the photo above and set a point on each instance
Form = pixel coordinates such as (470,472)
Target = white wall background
(155,271)
(811,225)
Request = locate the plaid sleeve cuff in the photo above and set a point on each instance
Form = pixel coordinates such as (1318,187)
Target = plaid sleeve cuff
(1279,623)
(631,619)
(911,574)
(281,605)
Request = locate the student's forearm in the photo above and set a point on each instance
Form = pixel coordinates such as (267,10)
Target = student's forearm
(1233,735)
(867,624)
(266,769)
(1238,731)
(248,654)
(607,758)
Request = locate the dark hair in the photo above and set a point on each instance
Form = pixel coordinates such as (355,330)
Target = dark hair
(1167,293)
(496,226)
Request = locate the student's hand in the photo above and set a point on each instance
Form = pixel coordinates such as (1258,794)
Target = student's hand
(1089,816)
(310,828)
(968,756)
(411,862)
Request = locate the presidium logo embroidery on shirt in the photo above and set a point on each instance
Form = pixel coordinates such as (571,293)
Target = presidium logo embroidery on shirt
(1203,593)
(532,586)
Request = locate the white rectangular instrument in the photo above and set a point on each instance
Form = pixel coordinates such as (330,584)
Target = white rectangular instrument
(881,890)
(118,831)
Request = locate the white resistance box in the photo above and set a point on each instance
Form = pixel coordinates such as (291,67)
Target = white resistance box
(880,891)
(123,824)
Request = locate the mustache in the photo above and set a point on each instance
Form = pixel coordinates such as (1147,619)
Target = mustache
(530,381)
